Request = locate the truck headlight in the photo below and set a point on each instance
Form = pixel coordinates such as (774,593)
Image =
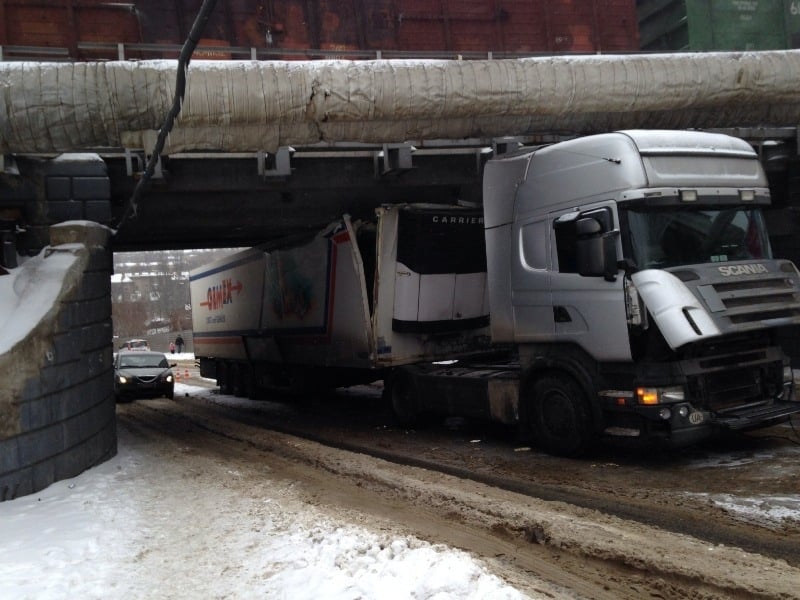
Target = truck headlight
(656,395)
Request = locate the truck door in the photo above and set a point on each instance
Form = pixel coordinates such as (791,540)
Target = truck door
(531,298)
(587,292)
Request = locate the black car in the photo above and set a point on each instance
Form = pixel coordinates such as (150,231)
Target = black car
(142,374)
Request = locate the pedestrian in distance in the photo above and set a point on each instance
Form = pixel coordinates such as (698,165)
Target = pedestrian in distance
(172,347)
(179,343)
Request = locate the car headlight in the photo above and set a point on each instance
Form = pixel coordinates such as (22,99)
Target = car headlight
(123,379)
(168,378)
(656,395)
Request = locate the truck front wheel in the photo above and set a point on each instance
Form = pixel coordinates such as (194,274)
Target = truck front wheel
(558,416)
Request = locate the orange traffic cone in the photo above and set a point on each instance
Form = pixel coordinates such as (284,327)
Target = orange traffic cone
(186,373)
(177,375)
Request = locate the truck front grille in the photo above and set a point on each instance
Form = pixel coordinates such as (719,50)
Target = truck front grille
(732,373)
(754,301)
(732,389)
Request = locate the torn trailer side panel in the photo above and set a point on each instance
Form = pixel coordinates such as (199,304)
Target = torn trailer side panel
(359,296)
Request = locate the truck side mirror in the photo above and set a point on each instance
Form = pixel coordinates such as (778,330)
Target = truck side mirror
(610,261)
(596,249)
(588,226)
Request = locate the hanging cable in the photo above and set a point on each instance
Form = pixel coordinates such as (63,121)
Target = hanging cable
(180,88)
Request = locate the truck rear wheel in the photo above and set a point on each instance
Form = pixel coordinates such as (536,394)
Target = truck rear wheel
(225,378)
(558,416)
(400,388)
(241,381)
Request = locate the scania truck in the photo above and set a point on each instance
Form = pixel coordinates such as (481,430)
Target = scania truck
(619,285)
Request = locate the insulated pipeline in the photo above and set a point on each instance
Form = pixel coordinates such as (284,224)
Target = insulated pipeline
(257,105)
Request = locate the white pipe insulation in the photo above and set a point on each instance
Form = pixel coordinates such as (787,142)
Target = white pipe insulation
(239,106)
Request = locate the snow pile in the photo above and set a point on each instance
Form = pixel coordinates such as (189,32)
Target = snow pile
(344,562)
(29,292)
(163,523)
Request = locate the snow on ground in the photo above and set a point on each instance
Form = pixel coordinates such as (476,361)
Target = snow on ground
(767,510)
(139,526)
(179,356)
(764,509)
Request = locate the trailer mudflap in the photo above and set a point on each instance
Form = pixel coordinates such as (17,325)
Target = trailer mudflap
(757,416)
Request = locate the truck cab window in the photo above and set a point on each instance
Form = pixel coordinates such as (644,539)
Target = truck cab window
(677,236)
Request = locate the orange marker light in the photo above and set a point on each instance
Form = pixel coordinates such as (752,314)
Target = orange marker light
(647,396)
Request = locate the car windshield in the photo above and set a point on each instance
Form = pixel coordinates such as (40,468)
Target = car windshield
(673,237)
(136,345)
(143,361)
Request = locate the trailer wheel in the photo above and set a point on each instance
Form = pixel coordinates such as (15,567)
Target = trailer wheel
(247,382)
(400,388)
(238,375)
(558,416)
(225,378)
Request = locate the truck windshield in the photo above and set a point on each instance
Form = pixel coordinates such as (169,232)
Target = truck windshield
(680,236)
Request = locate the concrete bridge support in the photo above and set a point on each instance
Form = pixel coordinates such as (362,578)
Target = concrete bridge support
(57,407)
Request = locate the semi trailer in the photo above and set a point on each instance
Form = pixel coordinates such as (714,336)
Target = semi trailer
(620,285)
(346,304)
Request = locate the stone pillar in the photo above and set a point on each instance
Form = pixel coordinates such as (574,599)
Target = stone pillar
(57,407)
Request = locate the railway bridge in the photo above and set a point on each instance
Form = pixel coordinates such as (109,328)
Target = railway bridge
(267,149)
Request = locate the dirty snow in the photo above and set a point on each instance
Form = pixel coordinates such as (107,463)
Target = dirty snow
(761,508)
(768,511)
(138,526)
(141,527)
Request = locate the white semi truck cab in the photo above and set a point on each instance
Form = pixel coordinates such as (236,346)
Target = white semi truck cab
(633,274)
(619,285)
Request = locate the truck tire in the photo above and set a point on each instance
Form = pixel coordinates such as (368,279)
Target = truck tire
(558,416)
(225,378)
(400,389)
(243,384)
(237,376)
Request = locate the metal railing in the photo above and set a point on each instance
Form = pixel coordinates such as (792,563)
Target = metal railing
(138,51)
